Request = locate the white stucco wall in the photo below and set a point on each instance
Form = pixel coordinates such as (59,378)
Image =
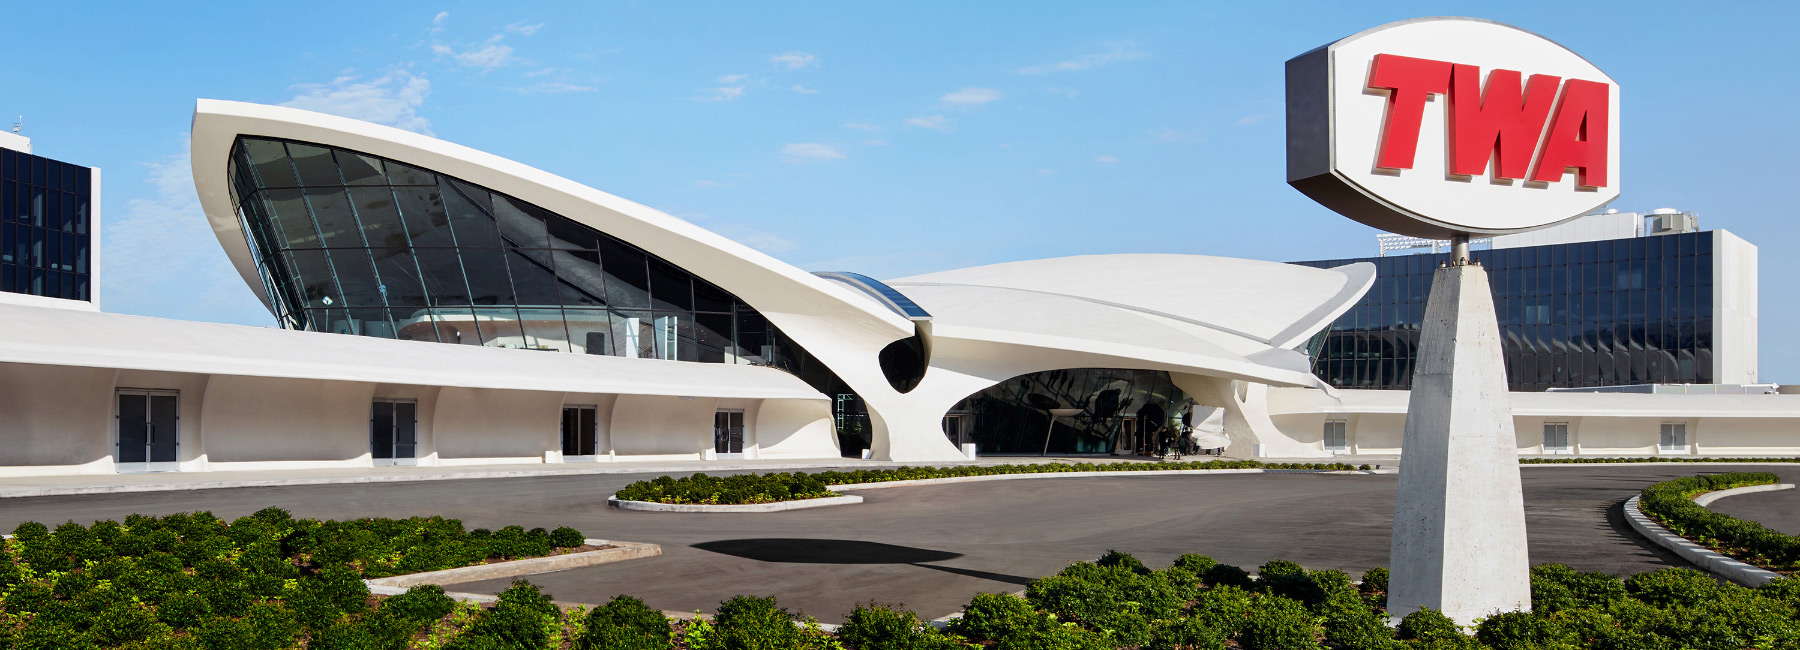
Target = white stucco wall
(657,427)
(788,428)
(483,426)
(269,423)
(55,420)
(1734,309)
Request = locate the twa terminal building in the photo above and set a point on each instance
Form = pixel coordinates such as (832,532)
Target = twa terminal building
(443,306)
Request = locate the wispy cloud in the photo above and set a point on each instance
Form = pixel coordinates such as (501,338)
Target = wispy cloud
(555,87)
(875,143)
(163,260)
(487,55)
(1115,53)
(936,122)
(970,97)
(803,89)
(437,22)
(522,28)
(861,126)
(795,60)
(732,78)
(392,99)
(1248,120)
(1174,136)
(1107,159)
(800,152)
(741,233)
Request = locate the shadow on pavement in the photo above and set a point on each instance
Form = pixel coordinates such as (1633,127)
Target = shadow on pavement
(824,551)
(847,551)
(1615,519)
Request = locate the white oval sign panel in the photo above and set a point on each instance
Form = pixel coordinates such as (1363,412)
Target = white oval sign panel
(1435,126)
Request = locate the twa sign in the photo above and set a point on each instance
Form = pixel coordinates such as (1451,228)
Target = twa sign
(1438,125)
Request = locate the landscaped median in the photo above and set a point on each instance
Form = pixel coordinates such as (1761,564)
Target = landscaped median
(1742,551)
(266,581)
(791,490)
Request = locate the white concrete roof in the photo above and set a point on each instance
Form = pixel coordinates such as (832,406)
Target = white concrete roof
(66,337)
(1236,301)
(1557,404)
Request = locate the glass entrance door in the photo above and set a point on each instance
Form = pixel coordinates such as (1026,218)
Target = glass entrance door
(956,428)
(393,432)
(728,433)
(578,433)
(149,430)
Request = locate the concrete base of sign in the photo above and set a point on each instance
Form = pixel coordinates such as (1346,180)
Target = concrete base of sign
(1459,517)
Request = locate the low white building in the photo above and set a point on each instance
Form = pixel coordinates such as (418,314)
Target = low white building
(442,306)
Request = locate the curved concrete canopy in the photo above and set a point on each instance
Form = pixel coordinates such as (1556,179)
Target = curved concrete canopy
(772,287)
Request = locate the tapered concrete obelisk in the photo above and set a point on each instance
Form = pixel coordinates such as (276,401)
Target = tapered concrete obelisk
(1459,517)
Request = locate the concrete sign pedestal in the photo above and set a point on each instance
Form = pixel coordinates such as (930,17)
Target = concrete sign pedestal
(1459,516)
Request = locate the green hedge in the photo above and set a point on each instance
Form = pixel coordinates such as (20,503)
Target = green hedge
(1579,460)
(264,581)
(1671,504)
(792,486)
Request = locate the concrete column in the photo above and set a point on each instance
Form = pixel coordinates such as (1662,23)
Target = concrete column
(1459,517)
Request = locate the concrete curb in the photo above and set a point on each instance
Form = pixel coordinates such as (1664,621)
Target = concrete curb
(1707,559)
(1707,499)
(651,506)
(1152,472)
(1662,464)
(619,552)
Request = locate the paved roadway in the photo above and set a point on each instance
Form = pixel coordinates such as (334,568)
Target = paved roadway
(931,548)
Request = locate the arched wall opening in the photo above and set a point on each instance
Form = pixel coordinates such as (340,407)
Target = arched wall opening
(1121,412)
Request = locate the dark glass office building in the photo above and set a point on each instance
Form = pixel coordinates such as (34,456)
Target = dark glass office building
(44,223)
(1586,314)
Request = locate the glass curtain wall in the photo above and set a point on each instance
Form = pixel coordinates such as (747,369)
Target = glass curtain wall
(352,243)
(1603,313)
(1013,416)
(44,225)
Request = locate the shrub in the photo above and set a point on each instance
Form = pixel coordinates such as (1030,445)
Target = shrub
(1115,558)
(1224,607)
(423,603)
(1289,580)
(1195,563)
(1226,575)
(1556,587)
(1349,625)
(751,623)
(878,627)
(521,619)
(1522,631)
(182,611)
(991,617)
(626,623)
(566,537)
(1428,624)
(1278,623)
(1675,586)
(1187,633)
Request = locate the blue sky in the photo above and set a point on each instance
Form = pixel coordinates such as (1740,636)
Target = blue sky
(888,139)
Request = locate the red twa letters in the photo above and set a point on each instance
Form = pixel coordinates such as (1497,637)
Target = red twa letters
(1502,122)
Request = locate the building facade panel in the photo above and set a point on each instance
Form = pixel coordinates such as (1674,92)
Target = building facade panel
(46,220)
(1587,314)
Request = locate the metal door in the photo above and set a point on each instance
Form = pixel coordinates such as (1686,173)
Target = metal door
(148,427)
(393,432)
(728,432)
(579,431)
